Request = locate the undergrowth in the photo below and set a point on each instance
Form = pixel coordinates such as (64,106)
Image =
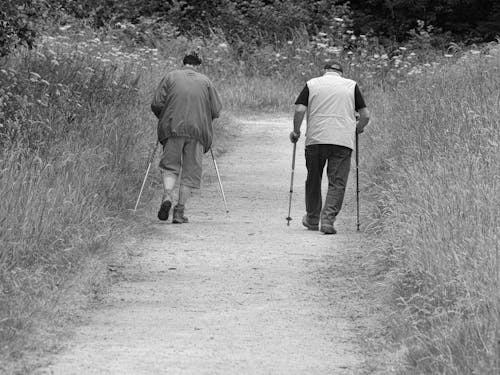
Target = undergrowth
(436,184)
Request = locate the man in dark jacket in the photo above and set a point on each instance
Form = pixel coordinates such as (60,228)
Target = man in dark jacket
(331,102)
(185,104)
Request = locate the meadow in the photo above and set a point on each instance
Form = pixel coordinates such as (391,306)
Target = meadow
(76,130)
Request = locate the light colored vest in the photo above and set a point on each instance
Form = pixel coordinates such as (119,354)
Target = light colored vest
(330,111)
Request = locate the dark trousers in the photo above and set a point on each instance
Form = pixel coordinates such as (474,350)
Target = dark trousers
(339,164)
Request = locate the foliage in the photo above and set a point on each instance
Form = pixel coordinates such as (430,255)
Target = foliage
(476,20)
(18,23)
(251,24)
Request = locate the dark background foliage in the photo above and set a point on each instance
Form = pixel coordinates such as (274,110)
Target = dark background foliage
(256,22)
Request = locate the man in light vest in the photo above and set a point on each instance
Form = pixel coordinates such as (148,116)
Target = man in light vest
(331,103)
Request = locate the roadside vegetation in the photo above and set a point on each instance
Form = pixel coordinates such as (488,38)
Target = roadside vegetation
(76,130)
(436,185)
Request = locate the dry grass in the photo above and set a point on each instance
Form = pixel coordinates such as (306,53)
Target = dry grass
(437,187)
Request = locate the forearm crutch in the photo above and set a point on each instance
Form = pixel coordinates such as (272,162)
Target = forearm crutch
(220,182)
(151,158)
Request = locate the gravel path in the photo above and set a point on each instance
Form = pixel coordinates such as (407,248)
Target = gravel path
(237,294)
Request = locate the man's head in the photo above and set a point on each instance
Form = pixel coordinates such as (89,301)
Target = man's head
(192,59)
(334,66)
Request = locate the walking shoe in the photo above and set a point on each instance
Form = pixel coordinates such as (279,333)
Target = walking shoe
(164,210)
(327,228)
(307,224)
(179,217)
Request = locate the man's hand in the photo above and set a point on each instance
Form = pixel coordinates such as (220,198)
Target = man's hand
(294,137)
(359,129)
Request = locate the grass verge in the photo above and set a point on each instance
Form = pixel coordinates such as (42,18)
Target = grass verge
(75,133)
(436,187)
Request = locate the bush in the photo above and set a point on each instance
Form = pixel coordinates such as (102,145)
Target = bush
(18,23)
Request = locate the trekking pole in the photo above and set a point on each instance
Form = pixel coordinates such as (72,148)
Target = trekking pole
(151,158)
(357,183)
(220,182)
(289,218)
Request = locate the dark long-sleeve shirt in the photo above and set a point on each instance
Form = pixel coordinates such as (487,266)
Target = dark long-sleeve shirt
(185,103)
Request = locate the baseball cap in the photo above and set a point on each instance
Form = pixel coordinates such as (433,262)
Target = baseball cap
(334,65)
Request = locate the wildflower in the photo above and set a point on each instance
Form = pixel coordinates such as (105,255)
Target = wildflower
(475,52)
(338,19)
(222,45)
(448,55)
(35,75)
(403,48)
(334,50)
(376,56)
(289,42)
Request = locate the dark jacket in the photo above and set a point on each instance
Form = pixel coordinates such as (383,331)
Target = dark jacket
(185,103)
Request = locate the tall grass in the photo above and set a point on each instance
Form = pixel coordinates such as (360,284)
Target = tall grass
(437,184)
(75,132)
(71,130)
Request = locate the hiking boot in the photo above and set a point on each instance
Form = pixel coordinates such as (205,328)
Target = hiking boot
(308,224)
(164,210)
(327,228)
(179,217)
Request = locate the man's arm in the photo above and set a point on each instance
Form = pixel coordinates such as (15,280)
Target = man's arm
(360,107)
(364,118)
(300,109)
(159,98)
(215,102)
(298,117)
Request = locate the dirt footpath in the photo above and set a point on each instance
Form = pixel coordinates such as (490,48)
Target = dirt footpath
(237,294)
